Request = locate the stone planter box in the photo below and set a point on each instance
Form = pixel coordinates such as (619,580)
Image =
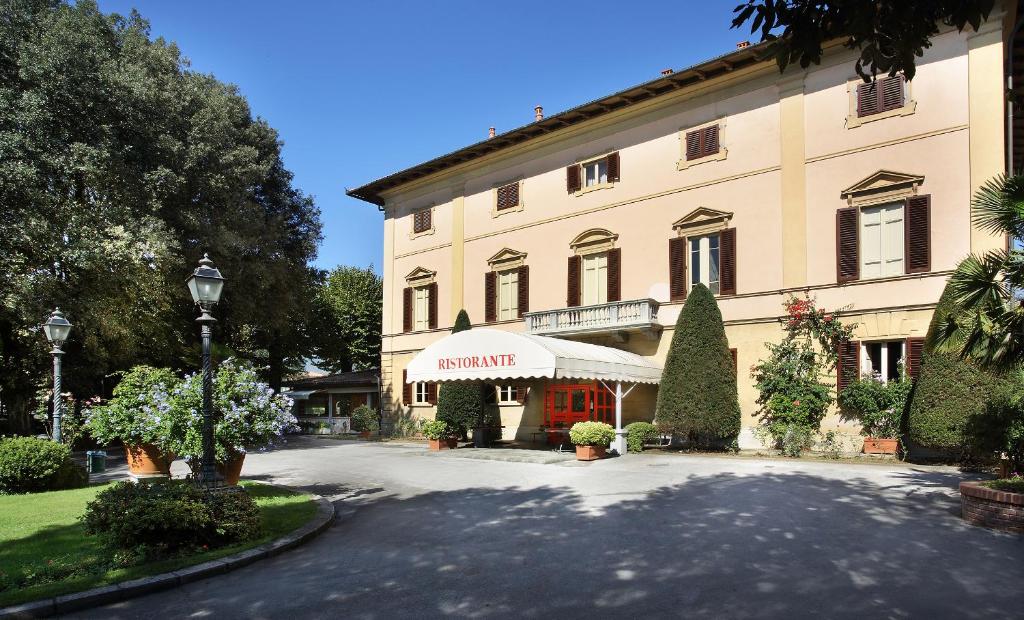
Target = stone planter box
(1000,510)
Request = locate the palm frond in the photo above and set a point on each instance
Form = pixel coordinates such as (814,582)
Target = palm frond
(998,205)
(978,281)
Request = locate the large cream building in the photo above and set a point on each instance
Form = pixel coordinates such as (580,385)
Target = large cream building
(593,224)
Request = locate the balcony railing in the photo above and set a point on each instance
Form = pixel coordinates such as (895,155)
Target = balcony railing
(616,316)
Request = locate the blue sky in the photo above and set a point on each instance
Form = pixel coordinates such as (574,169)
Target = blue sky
(358,90)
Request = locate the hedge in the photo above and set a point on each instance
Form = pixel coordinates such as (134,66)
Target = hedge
(460,405)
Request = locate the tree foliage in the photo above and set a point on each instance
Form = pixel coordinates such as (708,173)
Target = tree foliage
(460,405)
(119,168)
(697,395)
(889,34)
(348,326)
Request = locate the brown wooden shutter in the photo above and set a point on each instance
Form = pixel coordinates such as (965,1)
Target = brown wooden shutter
(406,389)
(572,297)
(917,234)
(735,361)
(692,145)
(524,289)
(847,251)
(407,309)
(891,93)
(432,306)
(573,179)
(613,167)
(915,350)
(614,274)
(521,393)
(848,365)
(727,262)
(709,141)
(432,393)
(867,99)
(677,268)
(490,296)
(508,196)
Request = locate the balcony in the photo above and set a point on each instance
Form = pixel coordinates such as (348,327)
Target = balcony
(617,317)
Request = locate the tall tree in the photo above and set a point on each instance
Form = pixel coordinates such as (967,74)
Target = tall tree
(889,34)
(119,167)
(349,304)
(461,405)
(697,396)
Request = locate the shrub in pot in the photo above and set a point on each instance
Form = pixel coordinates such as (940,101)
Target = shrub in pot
(30,465)
(248,415)
(639,433)
(440,435)
(365,421)
(879,408)
(591,439)
(140,415)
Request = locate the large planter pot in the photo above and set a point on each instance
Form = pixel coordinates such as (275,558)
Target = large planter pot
(364,434)
(232,470)
(875,445)
(443,444)
(148,461)
(590,453)
(1000,510)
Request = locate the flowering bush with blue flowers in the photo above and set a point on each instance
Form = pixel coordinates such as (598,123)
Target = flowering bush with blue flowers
(248,414)
(140,412)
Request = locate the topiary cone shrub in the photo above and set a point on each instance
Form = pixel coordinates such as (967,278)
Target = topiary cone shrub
(697,396)
(948,392)
(460,405)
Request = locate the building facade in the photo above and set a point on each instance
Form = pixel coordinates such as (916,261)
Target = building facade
(593,224)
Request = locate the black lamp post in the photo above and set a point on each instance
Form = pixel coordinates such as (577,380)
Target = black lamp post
(56,329)
(205,284)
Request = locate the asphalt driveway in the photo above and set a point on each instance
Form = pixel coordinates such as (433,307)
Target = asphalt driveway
(423,535)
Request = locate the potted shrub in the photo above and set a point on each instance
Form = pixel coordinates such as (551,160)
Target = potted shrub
(365,421)
(440,436)
(878,407)
(591,439)
(140,415)
(248,415)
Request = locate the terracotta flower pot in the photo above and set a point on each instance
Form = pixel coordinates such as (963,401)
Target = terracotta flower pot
(364,434)
(231,470)
(875,445)
(443,444)
(148,461)
(589,453)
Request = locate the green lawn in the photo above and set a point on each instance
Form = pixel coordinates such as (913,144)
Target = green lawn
(40,527)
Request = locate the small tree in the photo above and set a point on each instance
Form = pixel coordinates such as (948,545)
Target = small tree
(460,405)
(949,391)
(697,396)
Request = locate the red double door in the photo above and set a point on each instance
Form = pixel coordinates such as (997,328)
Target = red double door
(566,404)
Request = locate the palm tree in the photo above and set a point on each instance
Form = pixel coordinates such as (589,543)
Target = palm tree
(986,322)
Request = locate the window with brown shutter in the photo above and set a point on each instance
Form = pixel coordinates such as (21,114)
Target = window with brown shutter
(508,196)
(407,309)
(573,178)
(847,252)
(915,351)
(614,274)
(421,221)
(677,268)
(917,234)
(431,393)
(521,393)
(490,296)
(406,388)
(572,297)
(613,167)
(848,364)
(727,261)
(735,361)
(702,142)
(524,289)
(881,95)
(432,306)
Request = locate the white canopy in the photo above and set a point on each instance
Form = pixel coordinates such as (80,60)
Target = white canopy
(491,354)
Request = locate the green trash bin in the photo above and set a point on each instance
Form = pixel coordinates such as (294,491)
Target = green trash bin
(96,461)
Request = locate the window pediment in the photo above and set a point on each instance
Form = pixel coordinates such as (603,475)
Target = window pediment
(593,241)
(507,258)
(420,276)
(882,186)
(702,220)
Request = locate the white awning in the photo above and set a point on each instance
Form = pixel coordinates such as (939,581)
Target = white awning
(298,394)
(491,355)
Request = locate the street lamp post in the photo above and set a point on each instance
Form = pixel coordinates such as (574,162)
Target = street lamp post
(205,284)
(56,329)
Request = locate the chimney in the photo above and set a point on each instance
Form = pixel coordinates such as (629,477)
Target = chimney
(490,133)
(538,113)
(667,71)
(742,44)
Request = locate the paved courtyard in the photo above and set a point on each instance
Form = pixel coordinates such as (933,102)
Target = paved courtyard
(423,535)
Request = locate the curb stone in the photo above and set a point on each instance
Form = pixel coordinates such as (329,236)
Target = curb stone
(67,603)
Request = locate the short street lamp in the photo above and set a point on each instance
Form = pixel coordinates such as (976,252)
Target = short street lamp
(205,284)
(56,329)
